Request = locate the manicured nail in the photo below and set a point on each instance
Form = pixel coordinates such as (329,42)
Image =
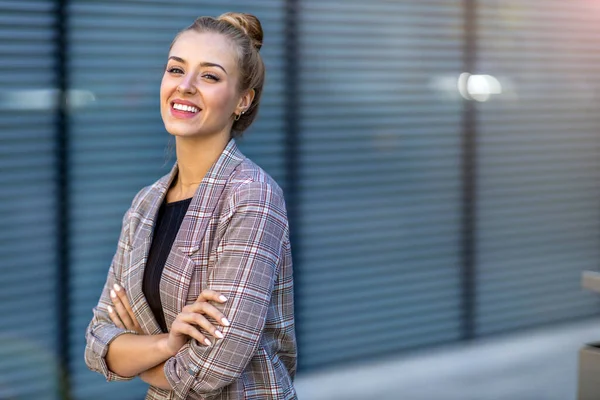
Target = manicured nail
(225,322)
(110,309)
(113,294)
(208,343)
(117,287)
(222,298)
(219,334)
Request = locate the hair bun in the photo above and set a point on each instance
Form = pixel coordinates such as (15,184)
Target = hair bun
(248,24)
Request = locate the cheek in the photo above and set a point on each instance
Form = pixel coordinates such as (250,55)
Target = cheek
(165,93)
(224,98)
(166,88)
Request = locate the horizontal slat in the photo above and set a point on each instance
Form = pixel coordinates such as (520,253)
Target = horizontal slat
(528,314)
(28,240)
(538,164)
(382,342)
(379,178)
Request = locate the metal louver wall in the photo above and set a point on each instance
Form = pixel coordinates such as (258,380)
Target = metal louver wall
(377,187)
(538,162)
(379,177)
(117,53)
(28,208)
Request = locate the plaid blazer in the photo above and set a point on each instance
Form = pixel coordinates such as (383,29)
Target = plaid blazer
(233,239)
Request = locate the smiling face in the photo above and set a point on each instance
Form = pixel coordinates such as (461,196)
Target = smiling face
(199,93)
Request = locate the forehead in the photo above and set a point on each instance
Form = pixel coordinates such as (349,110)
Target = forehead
(195,48)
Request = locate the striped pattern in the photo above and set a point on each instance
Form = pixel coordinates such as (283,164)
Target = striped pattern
(538,163)
(29,240)
(234,239)
(379,190)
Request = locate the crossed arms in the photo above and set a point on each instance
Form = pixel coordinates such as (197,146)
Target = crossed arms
(248,260)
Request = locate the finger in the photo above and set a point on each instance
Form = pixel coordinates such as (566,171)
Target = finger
(123,297)
(125,301)
(181,327)
(209,310)
(202,322)
(211,295)
(121,311)
(114,317)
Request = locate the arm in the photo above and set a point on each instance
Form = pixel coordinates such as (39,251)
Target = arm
(129,355)
(101,331)
(115,343)
(155,376)
(120,352)
(248,258)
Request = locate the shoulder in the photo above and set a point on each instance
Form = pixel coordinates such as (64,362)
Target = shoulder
(255,202)
(249,182)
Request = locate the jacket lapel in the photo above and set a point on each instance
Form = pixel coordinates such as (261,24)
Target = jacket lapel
(180,265)
(149,206)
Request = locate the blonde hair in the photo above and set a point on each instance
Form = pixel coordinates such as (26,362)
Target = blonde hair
(245,32)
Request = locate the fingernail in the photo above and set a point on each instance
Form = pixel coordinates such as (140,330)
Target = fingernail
(222,298)
(113,294)
(225,322)
(219,334)
(208,343)
(117,287)
(110,310)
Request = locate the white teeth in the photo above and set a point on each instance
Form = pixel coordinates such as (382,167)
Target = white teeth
(184,107)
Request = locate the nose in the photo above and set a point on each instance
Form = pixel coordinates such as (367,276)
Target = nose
(187,85)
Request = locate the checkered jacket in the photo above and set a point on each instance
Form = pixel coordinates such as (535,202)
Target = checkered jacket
(234,239)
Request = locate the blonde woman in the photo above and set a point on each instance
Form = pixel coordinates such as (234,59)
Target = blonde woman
(198,300)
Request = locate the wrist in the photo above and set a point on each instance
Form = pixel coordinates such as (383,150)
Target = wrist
(163,346)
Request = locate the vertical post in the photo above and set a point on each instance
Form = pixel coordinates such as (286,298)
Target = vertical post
(292,103)
(62,193)
(469,178)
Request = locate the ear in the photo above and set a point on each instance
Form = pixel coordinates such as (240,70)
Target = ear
(245,101)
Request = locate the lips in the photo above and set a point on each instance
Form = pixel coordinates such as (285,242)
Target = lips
(184,109)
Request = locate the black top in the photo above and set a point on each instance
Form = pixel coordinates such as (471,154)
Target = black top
(168,221)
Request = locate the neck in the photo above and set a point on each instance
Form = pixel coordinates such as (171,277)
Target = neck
(195,156)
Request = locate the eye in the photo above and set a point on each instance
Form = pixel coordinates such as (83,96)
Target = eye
(175,70)
(211,77)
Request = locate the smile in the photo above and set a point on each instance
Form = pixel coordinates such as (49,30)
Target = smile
(186,108)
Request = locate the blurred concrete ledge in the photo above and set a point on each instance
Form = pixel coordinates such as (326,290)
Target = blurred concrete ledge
(537,364)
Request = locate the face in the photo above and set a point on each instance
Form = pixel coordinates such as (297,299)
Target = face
(199,91)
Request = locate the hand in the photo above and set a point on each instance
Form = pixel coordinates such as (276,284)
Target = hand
(186,323)
(122,315)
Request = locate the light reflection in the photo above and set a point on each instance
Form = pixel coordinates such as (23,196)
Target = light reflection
(478,87)
(44,99)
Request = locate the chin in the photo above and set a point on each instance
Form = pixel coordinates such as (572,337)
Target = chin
(189,133)
(182,133)
(187,130)
(176,129)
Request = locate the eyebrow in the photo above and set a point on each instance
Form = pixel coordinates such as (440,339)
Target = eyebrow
(203,64)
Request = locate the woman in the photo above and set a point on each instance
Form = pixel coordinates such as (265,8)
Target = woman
(204,252)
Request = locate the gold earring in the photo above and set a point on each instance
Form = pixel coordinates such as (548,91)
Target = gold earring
(238,116)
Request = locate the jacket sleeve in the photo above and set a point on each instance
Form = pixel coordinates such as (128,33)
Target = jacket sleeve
(248,258)
(101,331)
